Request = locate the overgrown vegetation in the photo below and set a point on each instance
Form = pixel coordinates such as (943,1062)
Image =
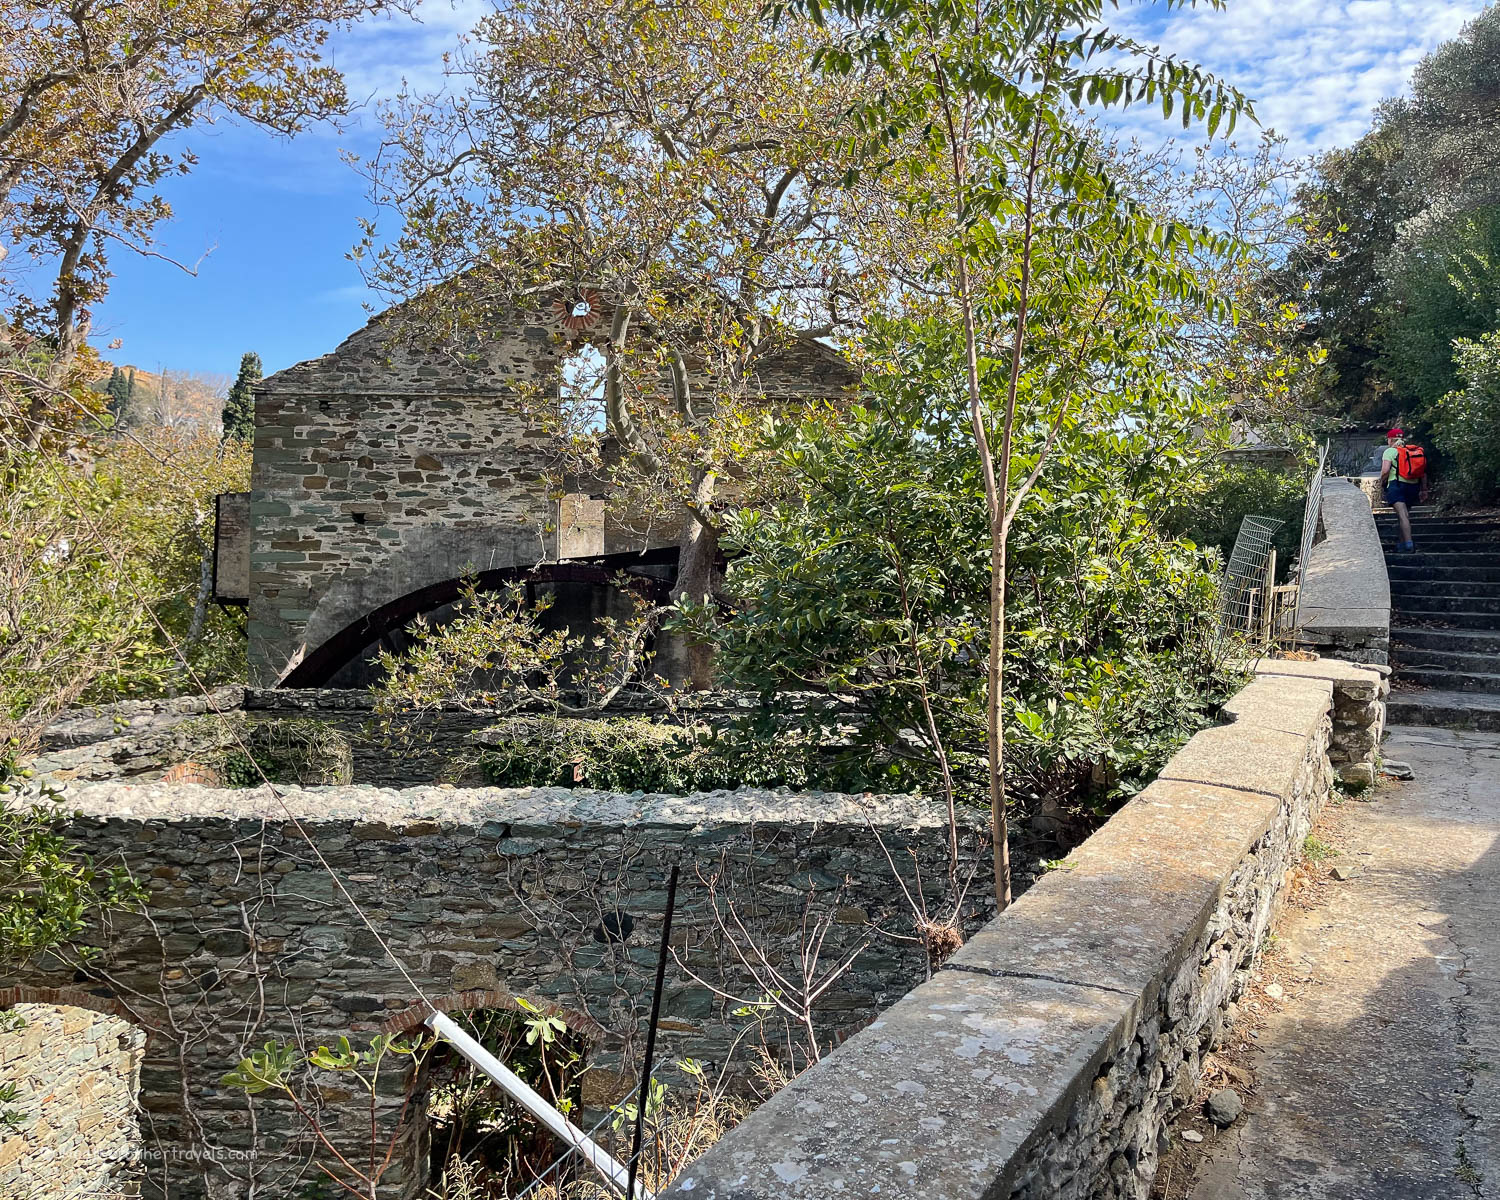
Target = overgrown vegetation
(104,573)
(626,754)
(51,895)
(247,753)
(1209,511)
(485,1147)
(1401,273)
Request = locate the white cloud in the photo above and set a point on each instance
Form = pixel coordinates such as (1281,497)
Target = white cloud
(1315,69)
(380,52)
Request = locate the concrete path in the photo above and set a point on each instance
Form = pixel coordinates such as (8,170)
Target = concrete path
(1379,1077)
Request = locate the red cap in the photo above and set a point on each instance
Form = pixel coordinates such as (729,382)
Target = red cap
(1396,433)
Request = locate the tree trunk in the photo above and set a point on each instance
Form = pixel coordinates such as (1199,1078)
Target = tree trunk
(697,570)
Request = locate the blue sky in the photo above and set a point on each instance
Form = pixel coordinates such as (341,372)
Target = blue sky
(273,220)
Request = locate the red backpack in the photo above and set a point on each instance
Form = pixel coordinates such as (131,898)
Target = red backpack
(1411,463)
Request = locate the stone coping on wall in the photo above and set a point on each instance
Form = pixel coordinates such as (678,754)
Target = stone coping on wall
(954,1092)
(426,810)
(1346,594)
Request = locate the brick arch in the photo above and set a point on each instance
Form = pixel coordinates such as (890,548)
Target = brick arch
(75,997)
(456,1002)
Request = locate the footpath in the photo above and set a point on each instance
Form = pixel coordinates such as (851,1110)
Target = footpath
(1376,1073)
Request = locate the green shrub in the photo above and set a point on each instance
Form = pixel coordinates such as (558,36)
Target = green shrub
(51,893)
(1467,423)
(871,580)
(626,754)
(1211,517)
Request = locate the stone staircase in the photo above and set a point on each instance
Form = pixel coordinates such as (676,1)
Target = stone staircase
(1445,620)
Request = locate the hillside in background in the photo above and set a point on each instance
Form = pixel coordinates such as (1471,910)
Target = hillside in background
(174,399)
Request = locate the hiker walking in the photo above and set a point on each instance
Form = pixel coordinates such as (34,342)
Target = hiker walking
(1403,476)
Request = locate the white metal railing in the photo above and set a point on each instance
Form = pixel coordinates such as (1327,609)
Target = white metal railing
(523,1094)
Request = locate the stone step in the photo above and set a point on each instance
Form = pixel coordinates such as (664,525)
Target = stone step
(1456,641)
(1430,516)
(1428,545)
(1402,567)
(1475,560)
(1406,658)
(1446,710)
(1450,681)
(1387,517)
(1433,528)
(1485,621)
(1445,587)
(1432,602)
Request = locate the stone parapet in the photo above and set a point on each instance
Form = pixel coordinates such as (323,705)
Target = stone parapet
(1345,605)
(1359,699)
(1045,1059)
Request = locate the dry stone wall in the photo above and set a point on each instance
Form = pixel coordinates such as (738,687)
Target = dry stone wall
(144,741)
(1045,1059)
(72,1130)
(514,892)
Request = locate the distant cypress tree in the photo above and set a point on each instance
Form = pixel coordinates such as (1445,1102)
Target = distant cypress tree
(118,390)
(239,407)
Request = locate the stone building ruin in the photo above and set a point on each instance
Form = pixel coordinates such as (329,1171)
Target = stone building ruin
(385,472)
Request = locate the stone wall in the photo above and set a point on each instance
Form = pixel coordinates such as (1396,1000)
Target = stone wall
(73,1132)
(1345,606)
(246,938)
(144,740)
(1359,696)
(1046,1058)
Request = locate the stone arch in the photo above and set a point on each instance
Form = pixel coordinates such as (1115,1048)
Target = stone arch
(426,558)
(339,647)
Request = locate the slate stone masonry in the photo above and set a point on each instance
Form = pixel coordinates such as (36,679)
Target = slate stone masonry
(384,468)
(247,940)
(75,1073)
(1045,1059)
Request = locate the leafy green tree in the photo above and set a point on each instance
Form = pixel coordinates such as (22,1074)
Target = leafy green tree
(1467,420)
(1442,287)
(1402,258)
(868,577)
(1059,283)
(239,405)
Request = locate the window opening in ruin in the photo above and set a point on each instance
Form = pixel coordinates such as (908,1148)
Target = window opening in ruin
(581,389)
(479,1132)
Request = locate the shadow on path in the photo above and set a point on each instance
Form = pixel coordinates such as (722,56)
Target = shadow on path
(1380,1079)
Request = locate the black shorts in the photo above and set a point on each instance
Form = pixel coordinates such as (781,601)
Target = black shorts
(1400,492)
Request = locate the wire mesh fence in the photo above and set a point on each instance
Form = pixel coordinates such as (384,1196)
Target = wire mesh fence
(1254,606)
(1248,608)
